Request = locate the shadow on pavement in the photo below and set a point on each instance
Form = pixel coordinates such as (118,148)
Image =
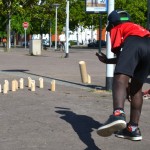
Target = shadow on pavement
(83,125)
(15,70)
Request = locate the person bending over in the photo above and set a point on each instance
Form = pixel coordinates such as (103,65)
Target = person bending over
(130,43)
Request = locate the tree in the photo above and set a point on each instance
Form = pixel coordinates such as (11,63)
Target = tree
(16,11)
(39,15)
(137,9)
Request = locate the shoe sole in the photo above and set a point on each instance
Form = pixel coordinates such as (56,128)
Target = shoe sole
(129,138)
(109,129)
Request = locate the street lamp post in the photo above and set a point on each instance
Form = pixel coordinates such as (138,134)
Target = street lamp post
(50,38)
(56,7)
(8,4)
(8,33)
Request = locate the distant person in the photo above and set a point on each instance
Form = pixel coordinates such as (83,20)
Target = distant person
(62,40)
(130,43)
(4,42)
(89,40)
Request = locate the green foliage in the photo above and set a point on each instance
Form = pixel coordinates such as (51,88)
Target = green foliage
(137,9)
(41,16)
(3,20)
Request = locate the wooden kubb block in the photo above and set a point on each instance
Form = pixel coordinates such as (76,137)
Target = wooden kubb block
(21,83)
(41,83)
(53,85)
(29,82)
(85,77)
(33,85)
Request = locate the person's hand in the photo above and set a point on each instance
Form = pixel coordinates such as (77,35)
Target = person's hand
(102,57)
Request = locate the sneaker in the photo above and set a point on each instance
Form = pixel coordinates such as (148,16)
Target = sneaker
(131,135)
(146,92)
(113,124)
(147,96)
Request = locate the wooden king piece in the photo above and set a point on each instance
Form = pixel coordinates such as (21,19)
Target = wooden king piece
(83,71)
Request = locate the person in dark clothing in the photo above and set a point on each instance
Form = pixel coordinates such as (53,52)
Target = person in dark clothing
(130,43)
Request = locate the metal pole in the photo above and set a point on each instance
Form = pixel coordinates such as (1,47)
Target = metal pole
(56,7)
(148,15)
(25,38)
(92,33)
(109,67)
(100,33)
(50,39)
(56,29)
(78,43)
(67,30)
(8,33)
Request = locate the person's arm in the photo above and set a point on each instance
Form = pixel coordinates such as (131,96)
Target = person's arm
(102,57)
